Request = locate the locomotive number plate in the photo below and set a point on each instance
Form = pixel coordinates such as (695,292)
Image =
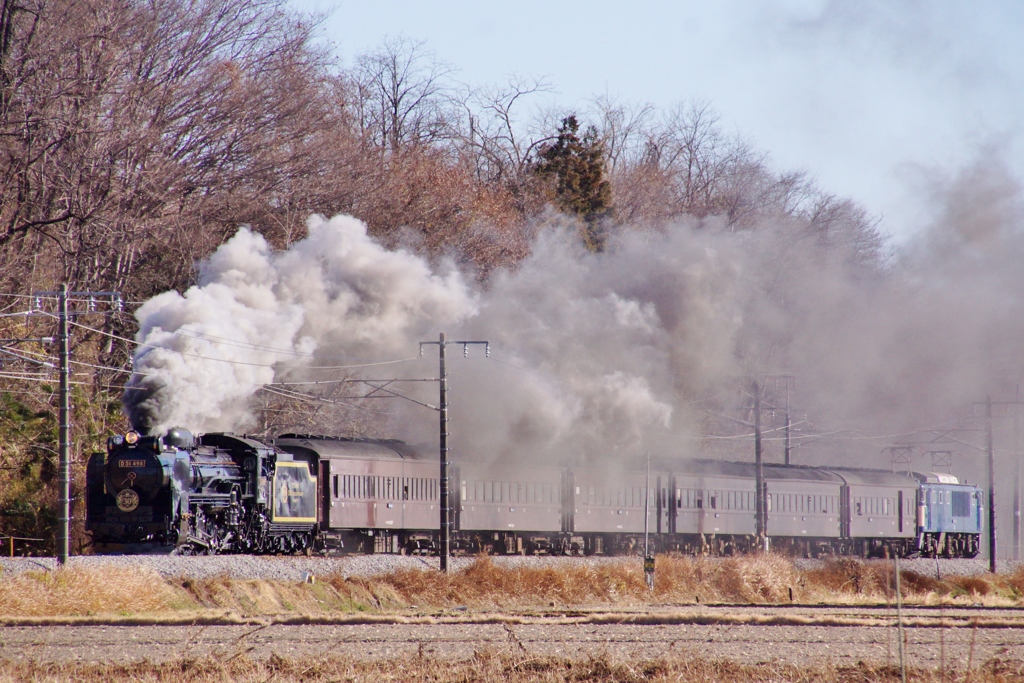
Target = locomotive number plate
(131,463)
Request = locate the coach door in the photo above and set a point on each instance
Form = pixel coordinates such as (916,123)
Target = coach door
(568,502)
(844,511)
(659,497)
(324,493)
(455,497)
(673,504)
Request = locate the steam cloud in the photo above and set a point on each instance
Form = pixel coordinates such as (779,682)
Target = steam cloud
(256,314)
(613,353)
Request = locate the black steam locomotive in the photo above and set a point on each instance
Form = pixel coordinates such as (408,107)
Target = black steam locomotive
(220,494)
(223,493)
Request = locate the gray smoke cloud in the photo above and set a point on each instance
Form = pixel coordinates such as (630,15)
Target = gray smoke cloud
(602,355)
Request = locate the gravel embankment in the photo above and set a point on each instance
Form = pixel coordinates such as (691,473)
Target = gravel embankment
(297,568)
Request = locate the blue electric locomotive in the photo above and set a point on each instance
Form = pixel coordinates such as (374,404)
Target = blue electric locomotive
(949,516)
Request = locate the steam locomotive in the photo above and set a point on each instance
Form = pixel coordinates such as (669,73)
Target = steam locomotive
(220,494)
(223,493)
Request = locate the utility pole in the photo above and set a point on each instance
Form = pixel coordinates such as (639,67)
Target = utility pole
(64,474)
(1016,477)
(760,529)
(789,423)
(991,486)
(64,414)
(445,503)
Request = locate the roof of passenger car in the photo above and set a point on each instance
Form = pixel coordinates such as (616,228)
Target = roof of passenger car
(873,477)
(745,470)
(340,447)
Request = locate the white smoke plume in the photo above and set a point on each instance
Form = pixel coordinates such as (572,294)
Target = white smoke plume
(255,314)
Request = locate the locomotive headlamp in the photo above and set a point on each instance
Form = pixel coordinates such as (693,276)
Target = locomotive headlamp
(131,437)
(117,439)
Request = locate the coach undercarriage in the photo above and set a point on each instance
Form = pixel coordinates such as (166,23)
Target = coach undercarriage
(383,541)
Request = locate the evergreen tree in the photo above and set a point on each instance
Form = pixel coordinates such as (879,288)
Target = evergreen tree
(574,169)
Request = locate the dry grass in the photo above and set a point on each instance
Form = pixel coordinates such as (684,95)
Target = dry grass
(486,585)
(851,580)
(489,667)
(87,592)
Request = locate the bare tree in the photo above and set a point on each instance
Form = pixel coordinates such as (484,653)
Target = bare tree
(168,121)
(499,146)
(404,95)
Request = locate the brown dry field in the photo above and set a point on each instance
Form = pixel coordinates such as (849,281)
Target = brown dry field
(706,620)
(115,592)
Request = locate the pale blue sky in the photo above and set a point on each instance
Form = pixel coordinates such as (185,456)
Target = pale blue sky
(872,97)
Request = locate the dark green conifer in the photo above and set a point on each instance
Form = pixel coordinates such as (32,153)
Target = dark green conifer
(574,169)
